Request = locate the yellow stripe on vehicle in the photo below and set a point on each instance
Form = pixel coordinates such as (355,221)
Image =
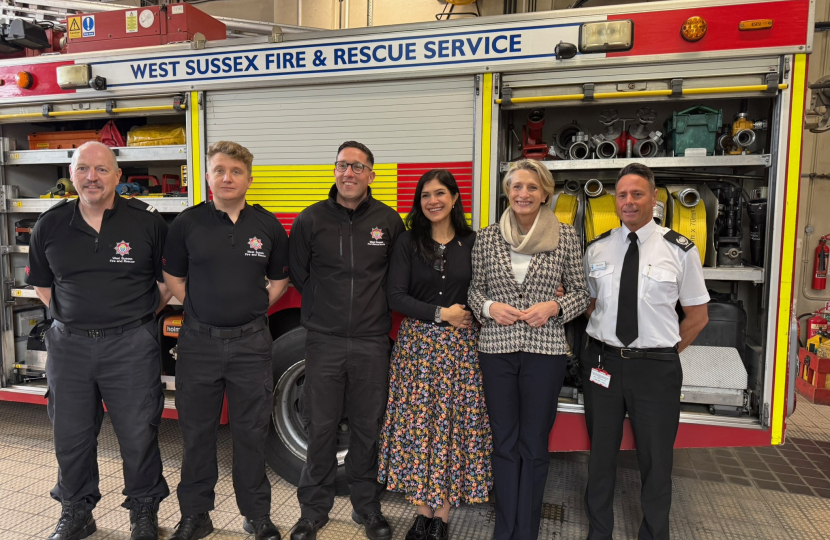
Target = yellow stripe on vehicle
(486,140)
(195,176)
(785,291)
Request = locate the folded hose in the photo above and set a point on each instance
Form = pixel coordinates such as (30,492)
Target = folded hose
(566,207)
(690,221)
(600,215)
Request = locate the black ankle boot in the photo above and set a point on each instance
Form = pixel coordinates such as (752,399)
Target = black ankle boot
(438,530)
(193,527)
(75,523)
(144,522)
(419,528)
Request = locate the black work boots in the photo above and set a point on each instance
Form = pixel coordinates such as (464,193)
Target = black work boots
(75,523)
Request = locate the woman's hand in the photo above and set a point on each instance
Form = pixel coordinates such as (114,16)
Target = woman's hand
(539,314)
(504,314)
(457,316)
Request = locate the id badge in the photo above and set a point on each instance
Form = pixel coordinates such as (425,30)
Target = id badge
(600,377)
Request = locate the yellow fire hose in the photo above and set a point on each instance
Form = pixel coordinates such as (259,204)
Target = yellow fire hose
(690,222)
(566,207)
(600,216)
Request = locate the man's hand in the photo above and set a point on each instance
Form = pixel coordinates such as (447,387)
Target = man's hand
(457,316)
(504,314)
(539,314)
(560,291)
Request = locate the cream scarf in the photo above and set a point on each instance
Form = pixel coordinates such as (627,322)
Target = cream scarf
(543,235)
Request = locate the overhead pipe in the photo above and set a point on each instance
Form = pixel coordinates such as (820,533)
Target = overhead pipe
(645,93)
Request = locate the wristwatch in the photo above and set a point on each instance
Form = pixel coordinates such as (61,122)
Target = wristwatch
(438,314)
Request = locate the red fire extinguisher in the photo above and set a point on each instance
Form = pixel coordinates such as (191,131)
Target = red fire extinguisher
(820,264)
(815,324)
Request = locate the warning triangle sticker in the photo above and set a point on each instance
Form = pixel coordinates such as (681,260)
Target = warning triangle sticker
(74,27)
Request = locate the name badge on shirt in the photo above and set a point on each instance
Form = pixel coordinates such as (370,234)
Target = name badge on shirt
(600,377)
(598,266)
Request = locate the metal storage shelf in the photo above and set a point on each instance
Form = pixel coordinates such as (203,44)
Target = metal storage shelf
(168,205)
(130,154)
(749,160)
(741,273)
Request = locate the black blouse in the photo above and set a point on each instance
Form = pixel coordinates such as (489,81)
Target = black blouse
(415,288)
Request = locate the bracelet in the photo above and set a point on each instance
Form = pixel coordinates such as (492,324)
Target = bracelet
(438,314)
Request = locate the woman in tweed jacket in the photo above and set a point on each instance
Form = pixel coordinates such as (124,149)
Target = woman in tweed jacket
(518,264)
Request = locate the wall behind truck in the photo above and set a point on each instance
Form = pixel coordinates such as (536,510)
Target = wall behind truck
(814,200)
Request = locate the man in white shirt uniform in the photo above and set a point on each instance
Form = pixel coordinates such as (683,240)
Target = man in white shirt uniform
(636,275)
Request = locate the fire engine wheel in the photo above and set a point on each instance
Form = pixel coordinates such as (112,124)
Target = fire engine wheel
(287,441)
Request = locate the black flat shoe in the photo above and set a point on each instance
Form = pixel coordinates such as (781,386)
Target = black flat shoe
(375,525)
(306,529)
(75,523)
(193,527)
(262,528)
(419,528)
(438,530)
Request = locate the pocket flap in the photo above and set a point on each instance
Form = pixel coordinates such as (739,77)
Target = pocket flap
(660,274)
(609,269)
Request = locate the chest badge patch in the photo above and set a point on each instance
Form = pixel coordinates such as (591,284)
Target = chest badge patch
(122,249)
(256,246)
(377,237)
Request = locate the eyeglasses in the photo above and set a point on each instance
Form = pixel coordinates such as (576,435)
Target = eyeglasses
(438,264)
(357,168)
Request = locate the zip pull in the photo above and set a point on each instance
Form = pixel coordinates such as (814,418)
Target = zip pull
(96,244)
(340,233)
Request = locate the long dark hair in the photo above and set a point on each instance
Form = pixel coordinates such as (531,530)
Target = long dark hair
(420,224)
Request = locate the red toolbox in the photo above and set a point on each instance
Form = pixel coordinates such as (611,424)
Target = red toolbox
(139,27)
(56,140)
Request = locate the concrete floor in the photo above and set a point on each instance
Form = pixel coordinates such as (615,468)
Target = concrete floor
(766,493)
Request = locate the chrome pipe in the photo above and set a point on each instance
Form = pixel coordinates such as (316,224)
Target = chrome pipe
(593,188)
(688,197)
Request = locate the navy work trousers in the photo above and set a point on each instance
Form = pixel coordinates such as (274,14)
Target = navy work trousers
(649,391)
(339,370)
(207,367)
(123,370)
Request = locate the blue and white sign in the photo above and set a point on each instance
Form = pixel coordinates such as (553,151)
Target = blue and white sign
(473,46)
(88,25)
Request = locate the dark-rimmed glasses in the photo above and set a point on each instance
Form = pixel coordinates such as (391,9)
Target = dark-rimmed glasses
(357,168)
(438,264)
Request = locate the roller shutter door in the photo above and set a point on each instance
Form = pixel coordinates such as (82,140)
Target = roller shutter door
(294,133)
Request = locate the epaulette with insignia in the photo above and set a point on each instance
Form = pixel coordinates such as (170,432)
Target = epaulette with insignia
(140,205)
(679,240)
(606,234)
(62,202)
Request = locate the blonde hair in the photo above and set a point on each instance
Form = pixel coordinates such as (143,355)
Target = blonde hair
(232,150)
(545,177)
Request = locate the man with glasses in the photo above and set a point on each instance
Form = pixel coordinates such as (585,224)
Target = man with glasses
(339,253)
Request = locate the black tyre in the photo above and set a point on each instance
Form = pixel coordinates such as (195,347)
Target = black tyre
(287,441)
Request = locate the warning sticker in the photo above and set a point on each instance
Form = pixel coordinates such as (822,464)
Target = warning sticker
(88,25)
(177,10)
(132,21)
(74,26)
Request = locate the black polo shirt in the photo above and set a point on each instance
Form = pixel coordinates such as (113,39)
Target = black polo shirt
(98,280)
(226,263)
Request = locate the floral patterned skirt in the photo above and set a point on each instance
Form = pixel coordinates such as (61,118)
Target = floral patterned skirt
(436,437)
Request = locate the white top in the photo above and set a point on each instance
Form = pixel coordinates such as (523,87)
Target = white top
(667,274)
(520,262)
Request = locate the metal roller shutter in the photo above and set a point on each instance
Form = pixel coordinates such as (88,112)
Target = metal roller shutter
(294,133)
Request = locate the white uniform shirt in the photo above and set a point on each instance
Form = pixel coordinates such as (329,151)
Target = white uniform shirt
(667,274)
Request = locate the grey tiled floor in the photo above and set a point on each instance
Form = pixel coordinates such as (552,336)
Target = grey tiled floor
(704,507)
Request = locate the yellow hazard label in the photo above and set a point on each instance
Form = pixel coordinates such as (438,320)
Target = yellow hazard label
(17,292)
(74,26)
(132,21)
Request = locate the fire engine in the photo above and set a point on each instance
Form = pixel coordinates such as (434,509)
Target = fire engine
(710,94)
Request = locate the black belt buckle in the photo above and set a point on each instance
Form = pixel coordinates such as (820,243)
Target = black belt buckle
(623,351)
(95,333)
(228,333)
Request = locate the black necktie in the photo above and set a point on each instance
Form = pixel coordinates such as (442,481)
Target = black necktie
(627,304)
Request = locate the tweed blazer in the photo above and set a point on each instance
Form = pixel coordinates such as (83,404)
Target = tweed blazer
(493,279)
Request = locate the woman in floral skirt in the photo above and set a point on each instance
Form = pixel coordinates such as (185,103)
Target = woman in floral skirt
(435,444)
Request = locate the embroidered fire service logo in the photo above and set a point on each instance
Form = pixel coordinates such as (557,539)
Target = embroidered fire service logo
(256,246)
(377,237)
(122,249)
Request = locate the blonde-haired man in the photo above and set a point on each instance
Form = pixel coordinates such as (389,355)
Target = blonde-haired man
(218,258)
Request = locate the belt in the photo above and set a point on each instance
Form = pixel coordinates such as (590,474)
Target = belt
(657,353)
(103,332)
(223,332)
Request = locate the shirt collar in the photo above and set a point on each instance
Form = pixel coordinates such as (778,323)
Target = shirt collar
(80,223)
(221,214)
(643,233)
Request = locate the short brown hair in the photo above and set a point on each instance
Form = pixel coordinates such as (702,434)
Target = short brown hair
(640,170)
(232,150)
(359,146)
